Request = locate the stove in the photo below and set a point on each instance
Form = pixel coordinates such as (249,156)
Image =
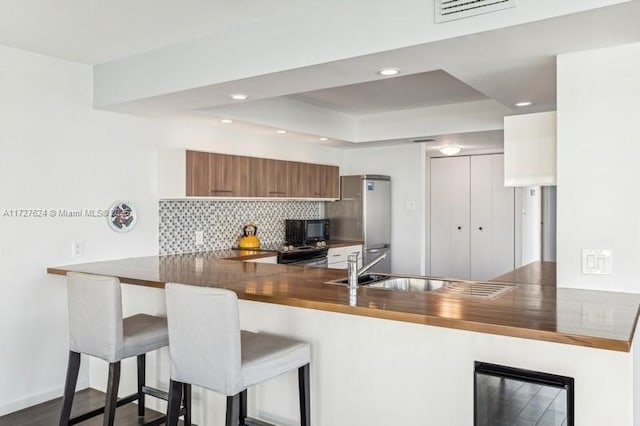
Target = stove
(309,255)
(303,254)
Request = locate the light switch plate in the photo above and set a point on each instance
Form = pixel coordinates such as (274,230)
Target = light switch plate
(410,206)
(596,262)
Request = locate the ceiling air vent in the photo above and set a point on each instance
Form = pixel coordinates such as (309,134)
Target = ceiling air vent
(449,10)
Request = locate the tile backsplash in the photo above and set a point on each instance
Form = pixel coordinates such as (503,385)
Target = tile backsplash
(222,221)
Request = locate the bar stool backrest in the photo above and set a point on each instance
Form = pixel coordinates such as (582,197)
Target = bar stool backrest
(95,315)
(204,337)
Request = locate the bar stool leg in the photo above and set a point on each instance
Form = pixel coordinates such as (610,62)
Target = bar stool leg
(141,382)
(233,410)
(73,367)
(243,407)
(305,400)
(175,396)
(112,394)
(186,402)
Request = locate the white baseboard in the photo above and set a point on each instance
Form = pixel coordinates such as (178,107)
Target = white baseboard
(38,398)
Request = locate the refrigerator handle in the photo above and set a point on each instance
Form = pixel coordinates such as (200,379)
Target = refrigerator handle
(377,250)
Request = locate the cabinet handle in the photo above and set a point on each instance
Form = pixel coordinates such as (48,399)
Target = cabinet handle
(276,192)
(480,228)
(459,228)
(221,190)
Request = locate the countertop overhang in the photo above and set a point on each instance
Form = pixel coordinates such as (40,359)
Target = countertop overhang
(535,309)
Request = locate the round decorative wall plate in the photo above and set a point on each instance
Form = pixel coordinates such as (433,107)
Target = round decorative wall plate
(122,216)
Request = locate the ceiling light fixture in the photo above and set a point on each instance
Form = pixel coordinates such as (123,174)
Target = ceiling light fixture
(450,149)
(324,139)
(239,96)
(226,121)
(389,71)
(524,104)
(282,132)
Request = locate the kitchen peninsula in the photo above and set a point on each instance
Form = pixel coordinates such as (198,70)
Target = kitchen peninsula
(387,347)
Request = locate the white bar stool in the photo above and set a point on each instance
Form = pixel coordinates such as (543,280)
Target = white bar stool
(208,349)
(96,328)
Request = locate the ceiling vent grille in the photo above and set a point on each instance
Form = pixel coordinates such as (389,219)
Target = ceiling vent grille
(449,10)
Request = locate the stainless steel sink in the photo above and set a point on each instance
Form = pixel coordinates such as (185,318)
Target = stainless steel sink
(448,288)
(438,286)
(366,279)
(409,284)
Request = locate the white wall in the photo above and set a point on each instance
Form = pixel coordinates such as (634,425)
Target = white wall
(598,151)
(406,166)
(57,152)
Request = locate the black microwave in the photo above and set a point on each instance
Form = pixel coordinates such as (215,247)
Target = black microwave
(300,231)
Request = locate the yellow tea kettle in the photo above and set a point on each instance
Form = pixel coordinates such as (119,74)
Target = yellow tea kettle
(249,239)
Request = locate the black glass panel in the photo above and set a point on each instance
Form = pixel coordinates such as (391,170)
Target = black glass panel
(516,397)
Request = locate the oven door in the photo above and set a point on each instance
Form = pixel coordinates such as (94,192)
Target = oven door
(316,262)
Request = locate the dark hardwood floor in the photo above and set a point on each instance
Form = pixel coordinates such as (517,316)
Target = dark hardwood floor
(47,413)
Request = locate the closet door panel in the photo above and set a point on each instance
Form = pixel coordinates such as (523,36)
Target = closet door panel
(492,219)
(450,217)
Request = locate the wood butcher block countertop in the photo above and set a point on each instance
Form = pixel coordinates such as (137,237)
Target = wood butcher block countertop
(535,309)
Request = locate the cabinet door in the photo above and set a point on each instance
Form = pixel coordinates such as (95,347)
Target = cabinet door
(450,217)
(270,259)
(315,177)
(228,175)
(298,180)
(492,219)
(337,257)
(268,178)
(530,149)
(197,174)
(329,180)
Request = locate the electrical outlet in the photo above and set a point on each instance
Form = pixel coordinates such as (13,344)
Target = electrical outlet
(199,238)
(76,248)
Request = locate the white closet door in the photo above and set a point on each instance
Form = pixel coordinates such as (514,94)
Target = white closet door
(450,217)
(492,219)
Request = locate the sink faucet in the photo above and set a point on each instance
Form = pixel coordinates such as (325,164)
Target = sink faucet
(352,268)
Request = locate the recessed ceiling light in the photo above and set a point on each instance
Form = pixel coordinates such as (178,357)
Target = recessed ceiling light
(226,121)
(282,132)
(450,149)
(389,71)
(524,104)
(324,139)
(239,96)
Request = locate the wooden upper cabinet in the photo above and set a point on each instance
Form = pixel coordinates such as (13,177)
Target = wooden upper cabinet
(221,175)
(328,182)
(228,175)
(268,178)
(197,174)
(298,179)
(308,180)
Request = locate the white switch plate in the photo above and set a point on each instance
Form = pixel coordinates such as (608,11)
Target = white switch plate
(596,262)
(199,238)
(410,206)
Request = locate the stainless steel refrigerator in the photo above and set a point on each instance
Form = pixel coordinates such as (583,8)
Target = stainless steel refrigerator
(364,213)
